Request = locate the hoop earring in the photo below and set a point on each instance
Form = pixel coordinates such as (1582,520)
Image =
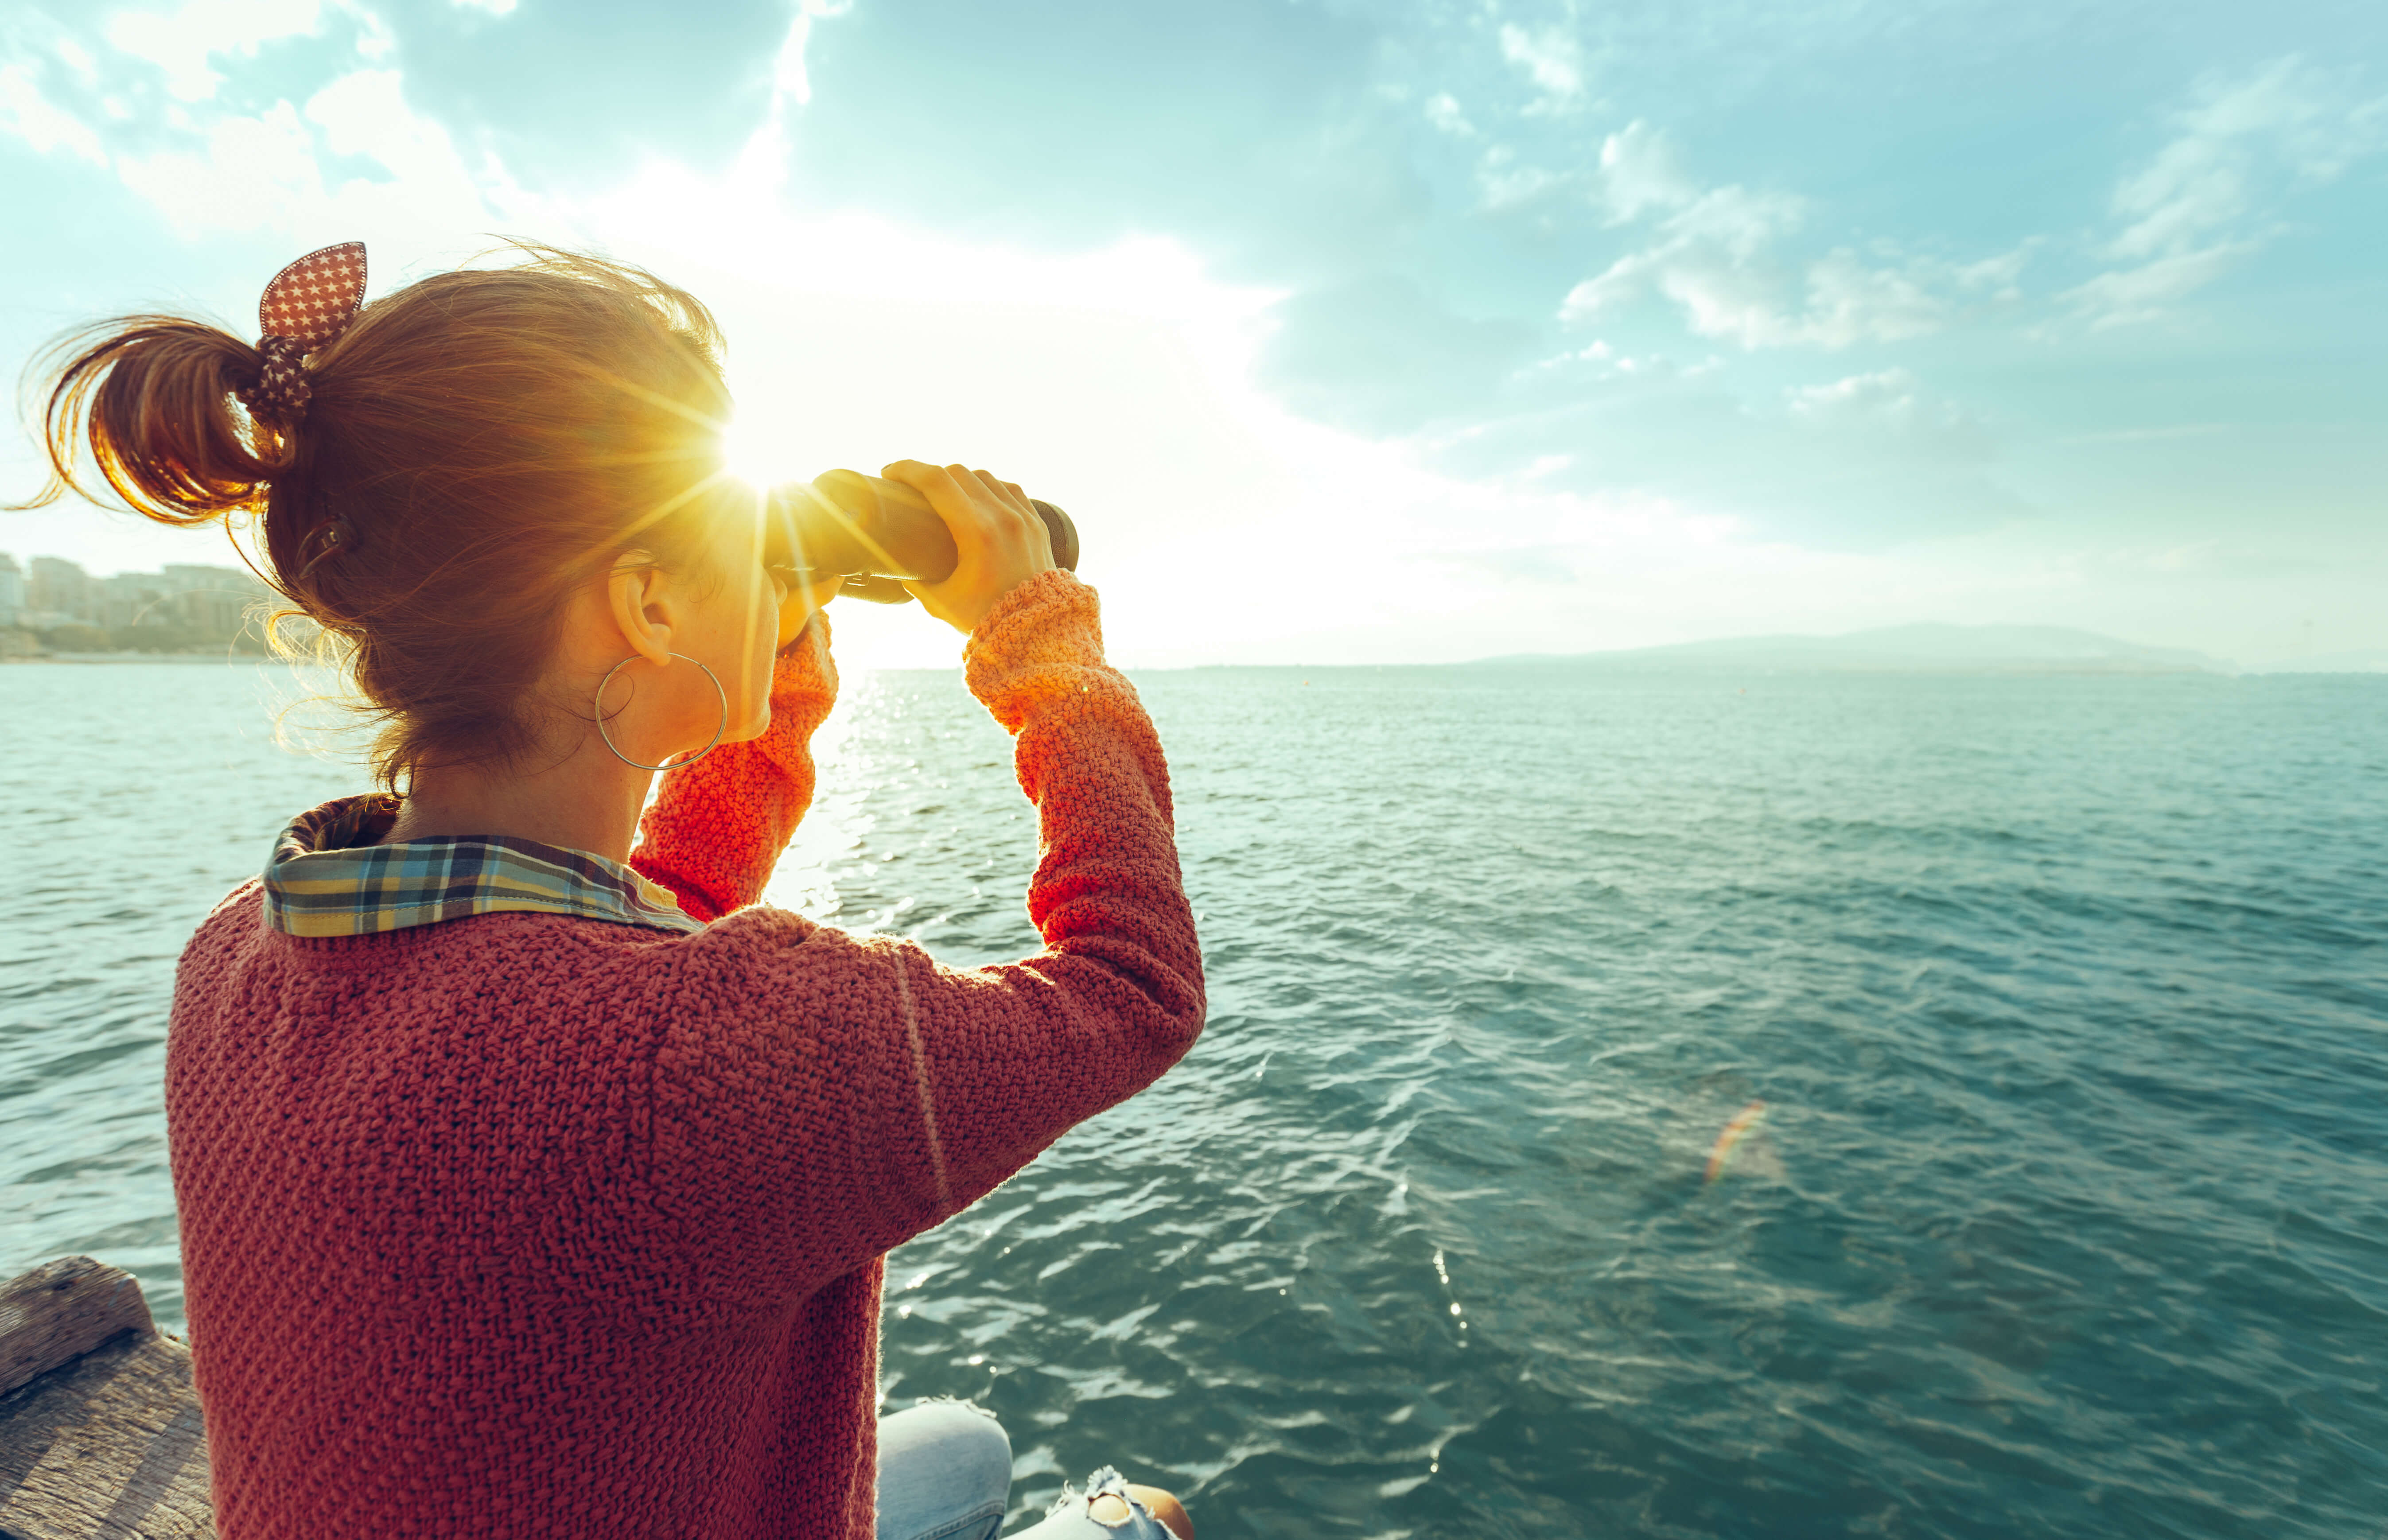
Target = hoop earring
(597,715)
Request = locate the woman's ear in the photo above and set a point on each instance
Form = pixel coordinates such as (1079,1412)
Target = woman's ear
(636,592)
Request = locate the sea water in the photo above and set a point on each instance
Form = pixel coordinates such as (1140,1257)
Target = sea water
(1768,1106)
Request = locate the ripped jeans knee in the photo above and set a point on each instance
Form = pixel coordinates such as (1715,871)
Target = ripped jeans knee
(1072,1517)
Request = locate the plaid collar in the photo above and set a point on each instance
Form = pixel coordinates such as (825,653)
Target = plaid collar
(329,876)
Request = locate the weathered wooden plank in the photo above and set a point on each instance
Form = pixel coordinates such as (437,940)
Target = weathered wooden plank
(60,1311)
(108,1444)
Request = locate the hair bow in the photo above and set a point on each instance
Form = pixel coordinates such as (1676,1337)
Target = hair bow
(308,305)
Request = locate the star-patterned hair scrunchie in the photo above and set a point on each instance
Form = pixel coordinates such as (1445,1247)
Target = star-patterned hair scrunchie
(308,304)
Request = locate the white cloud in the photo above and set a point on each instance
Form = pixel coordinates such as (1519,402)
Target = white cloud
(221,171)
(264,171)
(1504,183)
(1640,171)
(1550,57)
(763,161)
(1890,411)
(1737,221)
(495,7)
(252,172)
(789,77)
(1891,392)
(1717,255)
(182,42)
(1999,277)
(376,42)
(365,114)
(2143,293)
(33,117)
(1442,112)
(2286,117)
(78,58)
(1848,301)
(2204,203)
(1714,257)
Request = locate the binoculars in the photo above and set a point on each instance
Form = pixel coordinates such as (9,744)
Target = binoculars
(870,530)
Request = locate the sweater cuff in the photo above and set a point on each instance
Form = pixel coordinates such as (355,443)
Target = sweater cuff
(1045,638)
(804,669)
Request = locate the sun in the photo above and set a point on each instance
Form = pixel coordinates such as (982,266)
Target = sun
(756,453)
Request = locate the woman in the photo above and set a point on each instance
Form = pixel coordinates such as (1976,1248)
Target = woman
(533,1180)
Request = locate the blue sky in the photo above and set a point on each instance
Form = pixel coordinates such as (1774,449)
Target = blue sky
(1376,331)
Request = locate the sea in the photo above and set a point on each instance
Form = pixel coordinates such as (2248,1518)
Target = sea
(1763,1105)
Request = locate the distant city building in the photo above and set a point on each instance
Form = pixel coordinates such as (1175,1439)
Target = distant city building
(185,605)
(215,599)
(59,592)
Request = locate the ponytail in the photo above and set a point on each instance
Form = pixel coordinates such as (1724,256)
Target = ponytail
(152,395)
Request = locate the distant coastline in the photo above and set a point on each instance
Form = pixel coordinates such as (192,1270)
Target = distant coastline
(140,657)
(1927,649)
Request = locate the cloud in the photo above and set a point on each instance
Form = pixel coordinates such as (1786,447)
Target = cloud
(247,173)
(1886,391)
(1504,183)
(1848,301)
(1718,254)
(30,116)
(185,42)
(2205,180)
(1549,57)
(1640,171)
(338,154)
(1889,409)
(2149,290)
(1444,112)
(2207,201)
(1715,258)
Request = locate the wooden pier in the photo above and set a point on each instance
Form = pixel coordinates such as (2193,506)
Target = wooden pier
(100,1436)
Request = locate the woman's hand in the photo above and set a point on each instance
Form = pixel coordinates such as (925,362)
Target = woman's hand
(797,604)
(999,539)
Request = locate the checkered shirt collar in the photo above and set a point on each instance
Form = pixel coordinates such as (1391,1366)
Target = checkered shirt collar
(328,877)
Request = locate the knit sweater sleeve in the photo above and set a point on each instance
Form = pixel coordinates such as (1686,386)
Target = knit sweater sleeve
(715,830)
(869,1092)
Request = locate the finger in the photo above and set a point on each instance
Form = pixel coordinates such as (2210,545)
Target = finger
(1004,492)
(949,489)
(924,479)
(1041,532)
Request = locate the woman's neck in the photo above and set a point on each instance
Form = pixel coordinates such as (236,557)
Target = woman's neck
(586,803)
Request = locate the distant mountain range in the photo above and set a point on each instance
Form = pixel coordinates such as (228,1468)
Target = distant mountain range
(1922,649)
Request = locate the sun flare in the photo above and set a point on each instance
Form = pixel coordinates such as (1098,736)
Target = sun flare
(759,454)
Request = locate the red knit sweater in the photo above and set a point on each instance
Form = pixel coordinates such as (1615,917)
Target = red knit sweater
(529,1225)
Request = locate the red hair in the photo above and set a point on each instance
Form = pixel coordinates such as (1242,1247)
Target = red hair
(483,441)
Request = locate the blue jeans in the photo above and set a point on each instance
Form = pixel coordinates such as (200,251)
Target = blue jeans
(945,1473)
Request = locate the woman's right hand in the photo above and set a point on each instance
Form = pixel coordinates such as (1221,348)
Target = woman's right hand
(999,538)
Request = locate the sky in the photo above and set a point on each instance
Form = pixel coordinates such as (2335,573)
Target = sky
(1393,331)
